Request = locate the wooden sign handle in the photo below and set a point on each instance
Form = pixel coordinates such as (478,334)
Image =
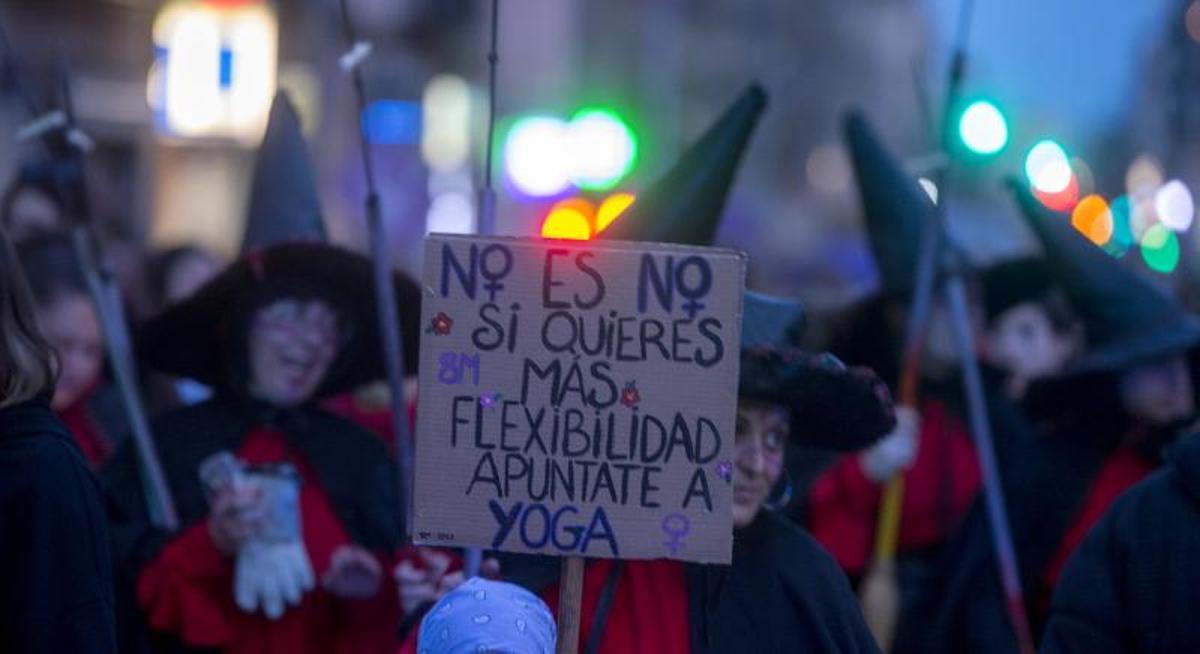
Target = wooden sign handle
(570,604)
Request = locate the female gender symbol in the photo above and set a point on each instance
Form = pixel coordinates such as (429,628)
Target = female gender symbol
(676,526)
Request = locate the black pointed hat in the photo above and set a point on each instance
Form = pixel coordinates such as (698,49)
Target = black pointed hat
(1127,319)
(895,207)
(685,205)
(831,406)
(284,205)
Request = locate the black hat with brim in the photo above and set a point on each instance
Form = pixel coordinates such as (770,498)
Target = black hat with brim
(832,407)
(203,336)
(1128,320)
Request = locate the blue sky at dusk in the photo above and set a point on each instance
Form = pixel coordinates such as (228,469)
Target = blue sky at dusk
(1068,67)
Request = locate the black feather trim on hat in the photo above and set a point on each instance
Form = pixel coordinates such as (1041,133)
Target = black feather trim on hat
(831,406)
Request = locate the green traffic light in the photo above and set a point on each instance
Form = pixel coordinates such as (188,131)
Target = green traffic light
(982,128)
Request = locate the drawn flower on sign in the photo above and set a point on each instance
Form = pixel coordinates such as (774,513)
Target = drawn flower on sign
(630,396)
(441,324)
(725,470)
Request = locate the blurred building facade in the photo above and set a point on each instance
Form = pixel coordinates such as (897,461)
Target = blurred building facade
(670,65)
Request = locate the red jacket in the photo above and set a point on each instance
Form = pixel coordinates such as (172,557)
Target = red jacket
(97,447)
(1120,471)
(938,490)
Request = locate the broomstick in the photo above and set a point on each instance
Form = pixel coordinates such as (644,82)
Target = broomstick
(473,556)
(57,125)
(880,593)
(385,294)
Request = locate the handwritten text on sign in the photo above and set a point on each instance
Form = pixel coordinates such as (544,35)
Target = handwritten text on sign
(578,398)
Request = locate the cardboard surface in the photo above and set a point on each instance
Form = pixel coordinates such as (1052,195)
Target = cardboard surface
(578,398)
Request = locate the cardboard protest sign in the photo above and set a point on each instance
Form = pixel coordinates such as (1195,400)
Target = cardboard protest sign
(578,398)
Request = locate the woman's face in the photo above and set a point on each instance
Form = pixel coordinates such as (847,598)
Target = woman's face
(292,344)
(1023,342)
(762,432)
(1159,392)
(71,327)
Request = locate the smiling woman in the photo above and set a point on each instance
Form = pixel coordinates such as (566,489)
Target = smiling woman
(286,555)
(762,432)
(273,334)
(291,345)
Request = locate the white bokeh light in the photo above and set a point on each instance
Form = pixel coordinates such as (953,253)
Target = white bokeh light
(536,158)
(1174,206)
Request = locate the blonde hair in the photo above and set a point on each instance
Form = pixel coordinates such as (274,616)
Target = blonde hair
(25,357)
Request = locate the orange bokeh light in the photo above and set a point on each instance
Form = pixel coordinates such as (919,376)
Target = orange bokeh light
(611,209)
(1092,218)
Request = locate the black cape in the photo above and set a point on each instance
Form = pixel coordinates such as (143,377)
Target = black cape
(1134,583)
(1046,472)
(782,593)
(56,590)
(352,465)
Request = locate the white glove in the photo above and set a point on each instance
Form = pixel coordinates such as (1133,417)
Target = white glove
(895,452)
(272,576)
(273,568)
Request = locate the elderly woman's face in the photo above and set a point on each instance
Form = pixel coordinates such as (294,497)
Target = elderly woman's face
(762,433)
(292,344)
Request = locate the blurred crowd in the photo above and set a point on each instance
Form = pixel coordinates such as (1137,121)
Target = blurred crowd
(274,438)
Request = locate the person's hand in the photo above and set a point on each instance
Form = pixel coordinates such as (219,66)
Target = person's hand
(234,516)
(895,452)
(354,573)
(418,585)
(429,582)
(488,569)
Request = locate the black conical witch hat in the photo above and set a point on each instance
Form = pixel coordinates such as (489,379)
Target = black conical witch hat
(685,205)
(284,205)
(1127,319)
(895,207)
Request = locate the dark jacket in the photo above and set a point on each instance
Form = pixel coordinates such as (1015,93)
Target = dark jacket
(1134,584)
(783,593)
(1047,468)
(56,590)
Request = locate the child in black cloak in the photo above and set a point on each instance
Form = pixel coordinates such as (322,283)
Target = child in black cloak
(57,593)
(1030,331)
(71,325)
